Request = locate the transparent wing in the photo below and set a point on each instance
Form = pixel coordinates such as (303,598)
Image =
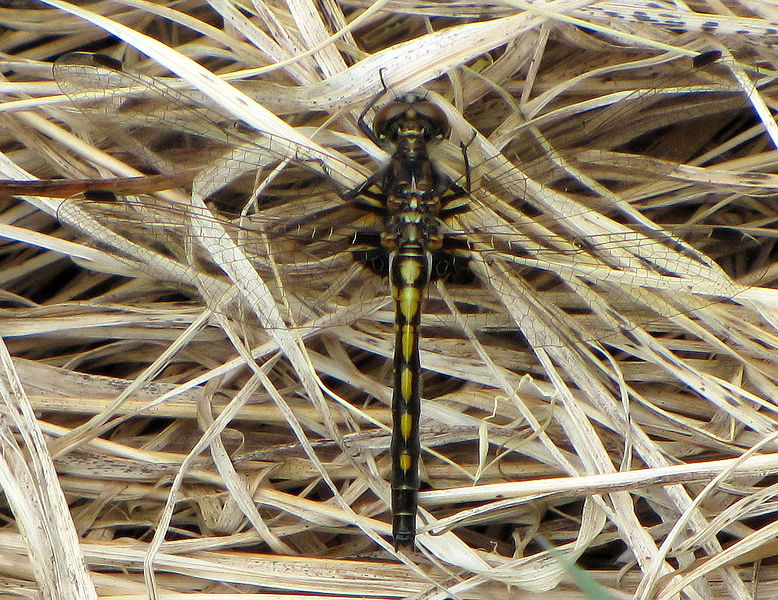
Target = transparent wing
(546,263)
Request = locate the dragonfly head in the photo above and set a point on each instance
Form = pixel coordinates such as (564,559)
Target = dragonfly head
(411,117)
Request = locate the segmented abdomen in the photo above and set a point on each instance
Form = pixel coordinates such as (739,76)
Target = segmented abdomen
(409,275)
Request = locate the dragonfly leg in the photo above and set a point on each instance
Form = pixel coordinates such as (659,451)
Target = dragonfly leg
(363,125)
(464,146)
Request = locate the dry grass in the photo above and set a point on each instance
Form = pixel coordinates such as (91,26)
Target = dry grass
(152,429)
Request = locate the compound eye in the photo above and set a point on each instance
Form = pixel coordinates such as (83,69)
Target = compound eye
(385,123)
(437,123)
(411,108)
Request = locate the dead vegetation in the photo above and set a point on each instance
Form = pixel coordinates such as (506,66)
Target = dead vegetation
(197,404)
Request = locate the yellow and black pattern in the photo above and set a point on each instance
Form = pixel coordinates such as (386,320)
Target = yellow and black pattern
(413,199)
(409,276)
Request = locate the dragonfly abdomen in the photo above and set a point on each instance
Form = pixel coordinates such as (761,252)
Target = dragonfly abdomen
(409,274)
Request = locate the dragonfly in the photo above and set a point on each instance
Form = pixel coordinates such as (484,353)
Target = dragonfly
(522,260)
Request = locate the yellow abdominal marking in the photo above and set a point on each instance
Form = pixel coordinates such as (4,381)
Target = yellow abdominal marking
(409,333)
(405,462)
(405,425)
(406,381)
(409,302)
(410,271)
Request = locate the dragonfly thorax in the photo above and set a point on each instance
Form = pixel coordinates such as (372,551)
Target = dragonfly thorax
(412,227)
(413,205)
